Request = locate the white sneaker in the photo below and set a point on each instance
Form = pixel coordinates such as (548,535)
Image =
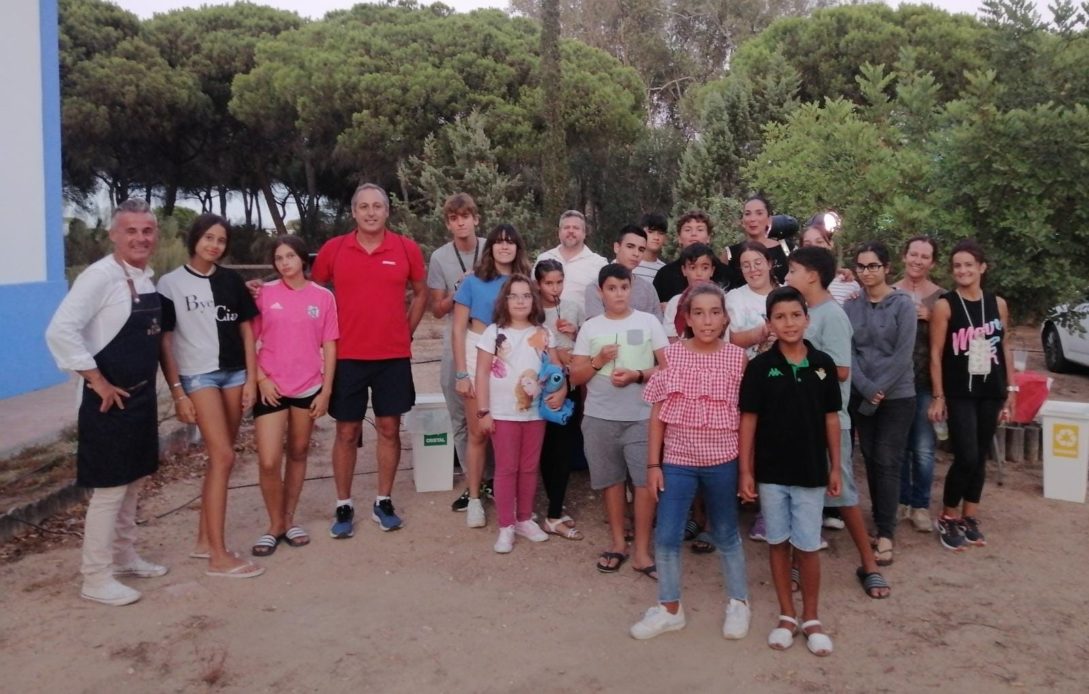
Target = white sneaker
(530,530)
(920,519)
(109,592)
(474,514)
(738,616)
(140,568)
(505,543)
(657,620)
(903,513)
(833,523)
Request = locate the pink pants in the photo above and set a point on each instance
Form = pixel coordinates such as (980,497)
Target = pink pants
(517,447)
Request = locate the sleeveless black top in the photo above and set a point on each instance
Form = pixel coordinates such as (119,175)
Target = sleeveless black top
(967,319)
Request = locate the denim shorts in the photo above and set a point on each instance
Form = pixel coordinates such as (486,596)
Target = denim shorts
(222,379)
(792,513)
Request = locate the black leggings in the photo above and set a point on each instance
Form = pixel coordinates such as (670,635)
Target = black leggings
(556,464)
(972,424)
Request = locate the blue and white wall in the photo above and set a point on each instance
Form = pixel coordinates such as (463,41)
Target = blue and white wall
(32,279)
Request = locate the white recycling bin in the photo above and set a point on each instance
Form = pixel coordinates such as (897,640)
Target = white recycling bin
(1066,449)
(432,444)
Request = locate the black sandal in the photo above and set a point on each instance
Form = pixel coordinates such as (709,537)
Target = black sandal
(702,544)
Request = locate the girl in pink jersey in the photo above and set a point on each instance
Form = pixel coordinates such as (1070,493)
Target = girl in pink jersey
(296,358)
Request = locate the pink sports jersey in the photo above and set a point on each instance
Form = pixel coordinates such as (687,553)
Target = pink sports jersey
(290,331)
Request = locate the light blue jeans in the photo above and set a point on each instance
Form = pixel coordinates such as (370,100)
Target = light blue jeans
(917,471)
(719,486)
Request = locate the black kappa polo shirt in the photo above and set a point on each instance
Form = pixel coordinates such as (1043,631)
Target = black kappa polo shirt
(790,402)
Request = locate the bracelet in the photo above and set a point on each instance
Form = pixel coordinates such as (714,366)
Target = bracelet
(649,466)
(461,375)
(938,397)
(595,368)
(640,381)
(481,414)
(1013,389)
(175,385)
(183,397)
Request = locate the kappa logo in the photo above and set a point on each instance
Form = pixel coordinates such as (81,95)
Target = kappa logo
(774,371)
(276,306)
(821,374)
(312,311)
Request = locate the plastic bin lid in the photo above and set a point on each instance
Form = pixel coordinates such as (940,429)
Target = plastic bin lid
(1061,408)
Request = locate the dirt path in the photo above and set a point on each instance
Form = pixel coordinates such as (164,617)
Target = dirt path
(433,608)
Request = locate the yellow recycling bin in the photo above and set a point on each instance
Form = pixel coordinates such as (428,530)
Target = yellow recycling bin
(432,444)
(1066,449)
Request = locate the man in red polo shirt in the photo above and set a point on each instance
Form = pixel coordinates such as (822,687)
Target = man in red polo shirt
(369,269)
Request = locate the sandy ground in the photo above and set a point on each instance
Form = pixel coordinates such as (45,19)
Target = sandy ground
(433,608)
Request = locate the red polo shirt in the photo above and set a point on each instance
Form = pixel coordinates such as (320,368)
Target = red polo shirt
(370,293)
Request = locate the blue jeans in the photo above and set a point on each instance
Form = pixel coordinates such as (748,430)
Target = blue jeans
(719,486)
(917,472)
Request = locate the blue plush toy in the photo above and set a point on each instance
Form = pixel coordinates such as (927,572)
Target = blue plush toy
(552,379)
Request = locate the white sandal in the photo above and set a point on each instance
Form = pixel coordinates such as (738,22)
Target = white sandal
(559,527)
(782,638)
(818,642)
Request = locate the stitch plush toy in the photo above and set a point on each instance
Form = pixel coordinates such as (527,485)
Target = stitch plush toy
(552,378)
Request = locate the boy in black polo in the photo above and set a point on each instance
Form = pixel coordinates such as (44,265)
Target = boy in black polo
(789,431)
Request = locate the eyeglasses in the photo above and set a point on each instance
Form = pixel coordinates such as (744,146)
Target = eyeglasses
(872,267)
(755,265)
(515,297)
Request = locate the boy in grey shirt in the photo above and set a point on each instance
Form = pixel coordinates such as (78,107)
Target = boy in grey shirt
(448,266)
(811,270)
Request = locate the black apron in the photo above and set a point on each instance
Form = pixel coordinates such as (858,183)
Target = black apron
(121,446)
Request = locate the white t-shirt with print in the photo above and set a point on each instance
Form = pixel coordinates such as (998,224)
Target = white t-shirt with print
(514,387)
(638,336)
(747,310)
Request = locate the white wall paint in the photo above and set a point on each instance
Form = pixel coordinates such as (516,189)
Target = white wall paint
(22,170)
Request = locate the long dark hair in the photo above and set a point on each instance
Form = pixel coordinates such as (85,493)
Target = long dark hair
(501,314)
(202,224)
(487,270)
(294,243)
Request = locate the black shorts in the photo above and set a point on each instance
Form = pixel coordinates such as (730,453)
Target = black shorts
(260,408)
(389,380)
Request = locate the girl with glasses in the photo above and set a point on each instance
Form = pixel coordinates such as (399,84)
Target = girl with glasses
(882,385)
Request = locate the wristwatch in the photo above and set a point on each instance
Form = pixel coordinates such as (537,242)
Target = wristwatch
(460,375)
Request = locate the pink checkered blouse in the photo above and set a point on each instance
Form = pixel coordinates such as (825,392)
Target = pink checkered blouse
(699,394)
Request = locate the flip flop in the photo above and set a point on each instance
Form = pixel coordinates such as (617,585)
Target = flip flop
(872,582)
(200,555)
(795,579)
(604,564)
(296,537)
(650,572)
(265,545)
(246,570)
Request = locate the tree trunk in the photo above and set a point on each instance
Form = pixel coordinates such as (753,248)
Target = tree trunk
(247,206)
(223,202)
(170,199)
(273,206)
(554,161)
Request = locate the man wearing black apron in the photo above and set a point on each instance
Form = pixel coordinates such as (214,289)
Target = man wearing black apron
(107,329)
